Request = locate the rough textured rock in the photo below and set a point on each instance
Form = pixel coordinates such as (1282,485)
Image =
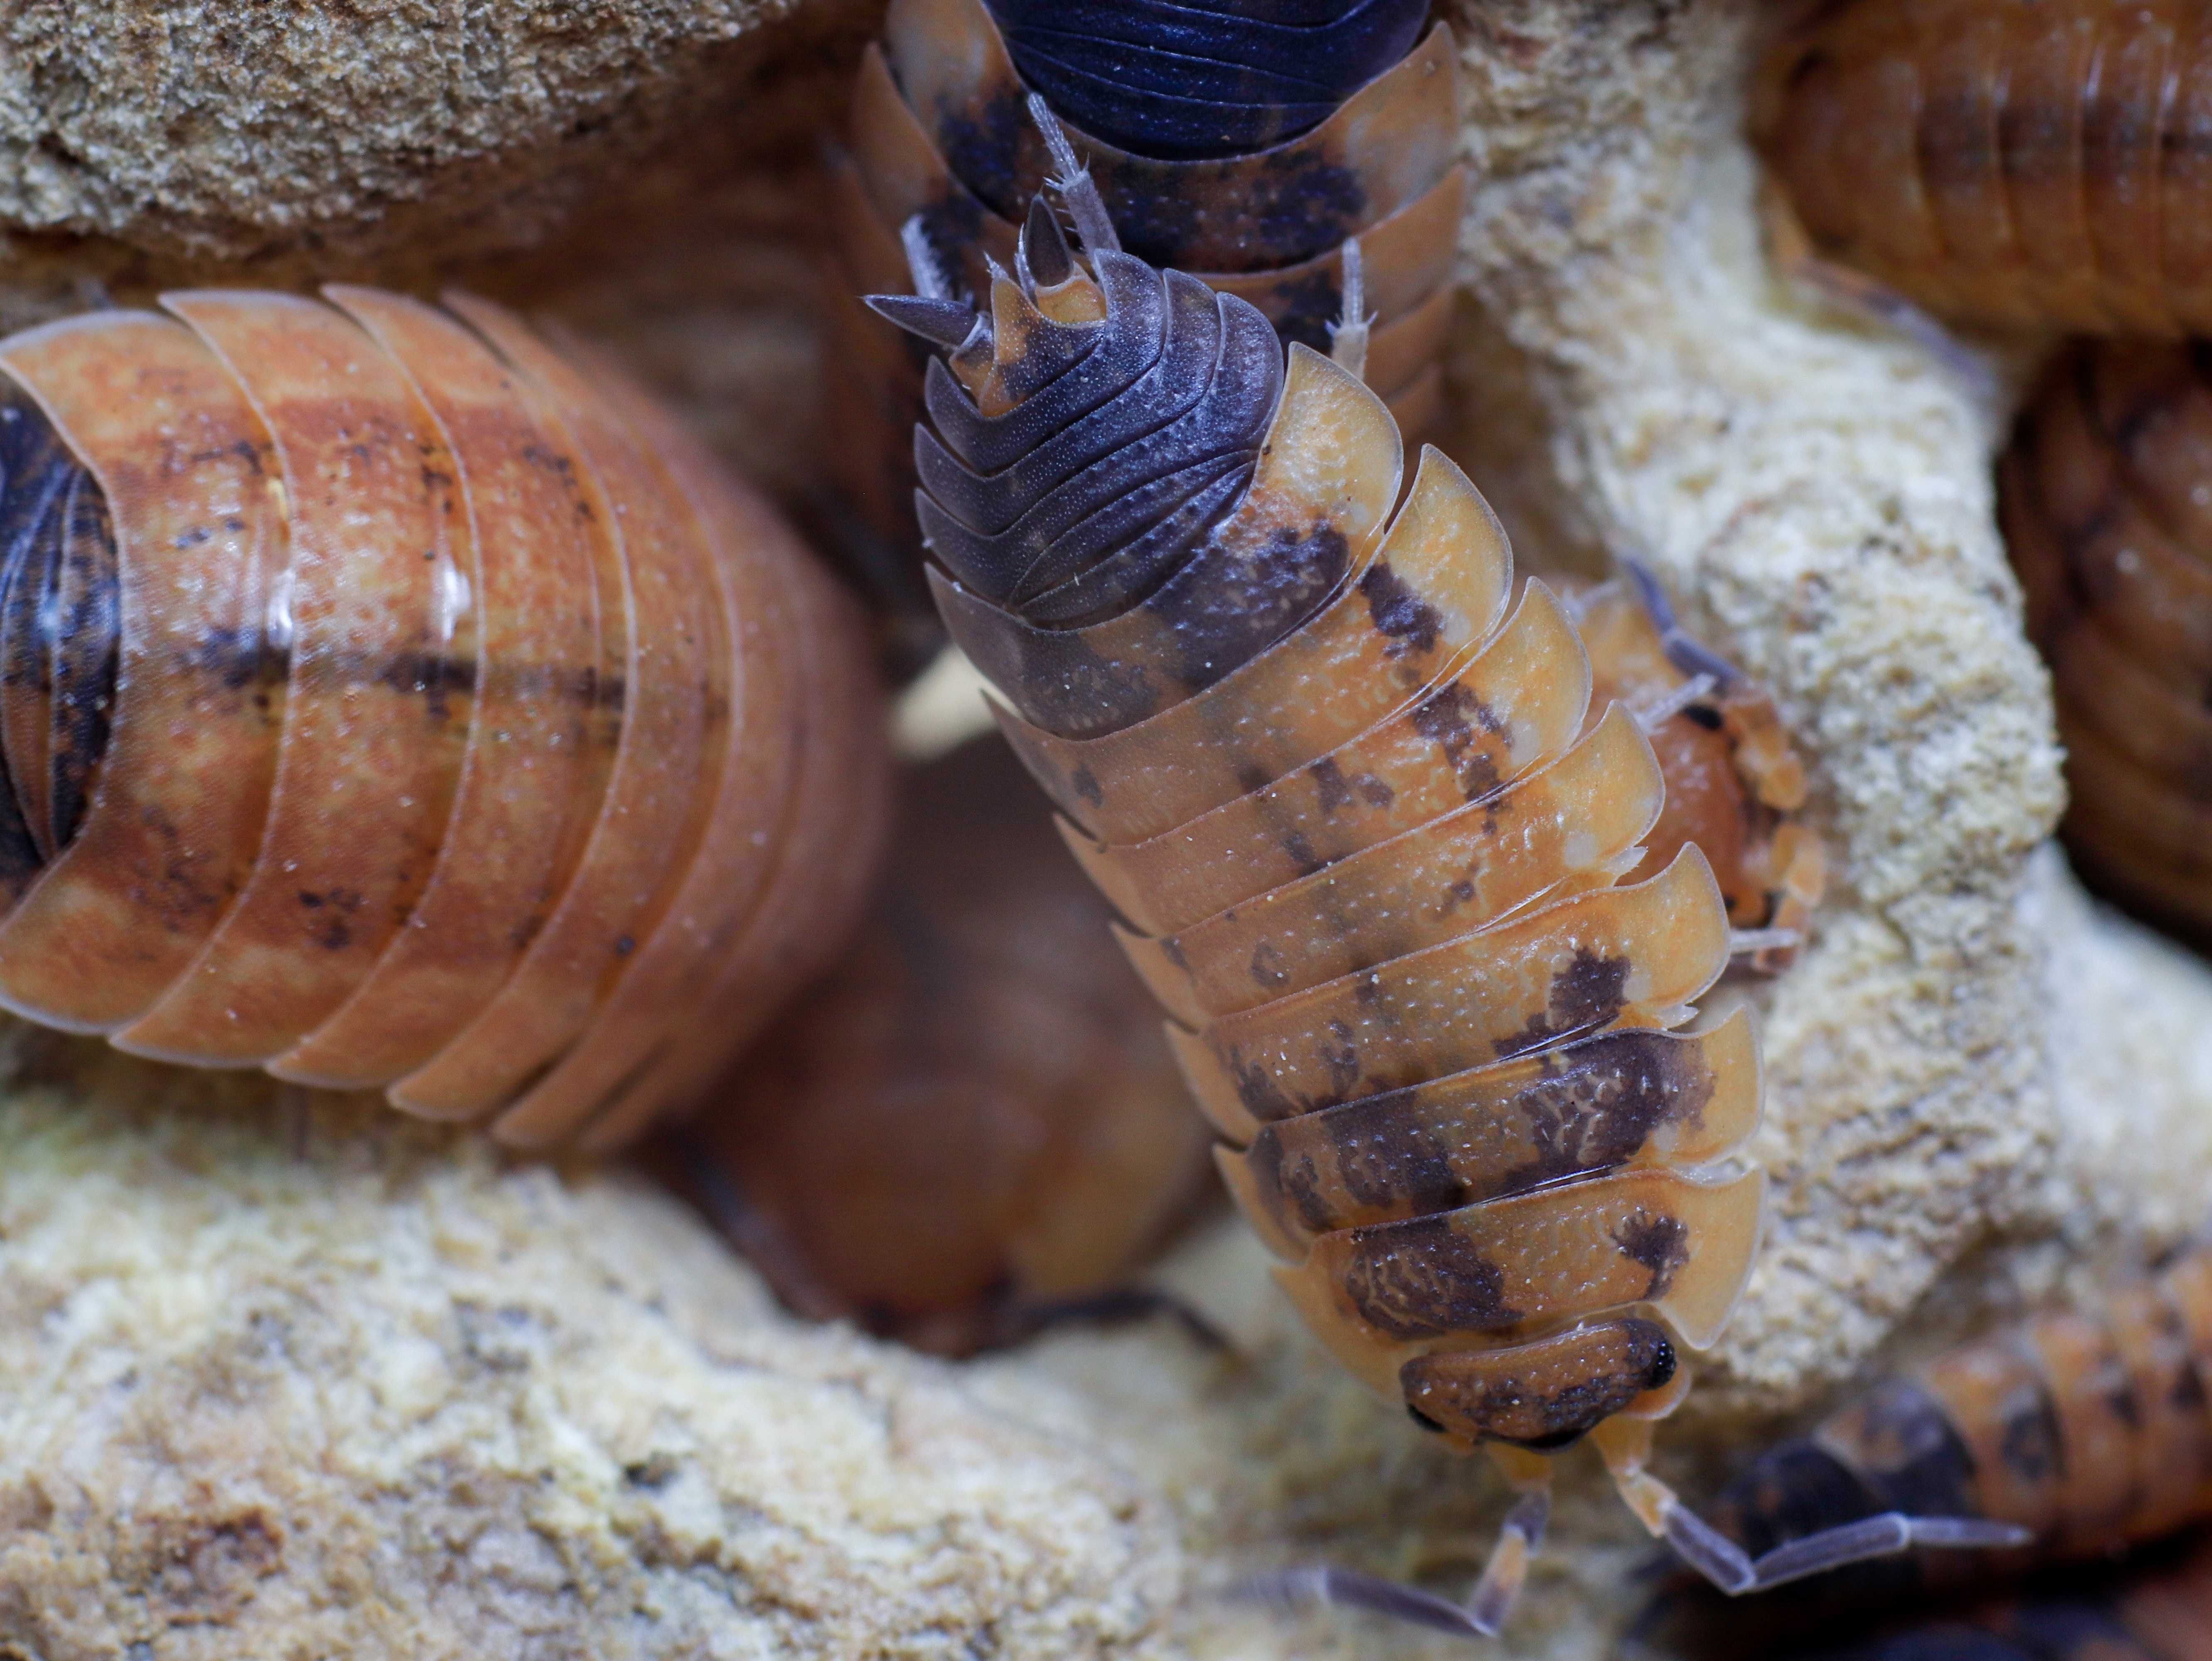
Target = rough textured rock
(238,131)
(290,1377)
(287,1375)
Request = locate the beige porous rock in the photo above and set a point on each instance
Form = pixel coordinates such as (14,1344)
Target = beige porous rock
(285,1373)
(235,132)
(289,1375)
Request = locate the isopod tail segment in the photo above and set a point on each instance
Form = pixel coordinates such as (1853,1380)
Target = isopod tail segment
(1337,775)
(390,701)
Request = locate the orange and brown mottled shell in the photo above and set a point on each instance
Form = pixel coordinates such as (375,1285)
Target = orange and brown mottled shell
(2091,1430)
(392,700)
(2103,502)
(2005,162)
(1343,787)
(1735,783)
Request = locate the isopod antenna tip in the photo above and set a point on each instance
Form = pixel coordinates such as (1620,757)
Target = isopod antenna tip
(1692,656)
(1073,183)
(1737,1573)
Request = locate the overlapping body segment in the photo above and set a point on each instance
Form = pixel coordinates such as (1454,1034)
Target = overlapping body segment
(1251,144)
(2004,161)
(2101,499)
(1370,835)
(385,715)
(2090,1430)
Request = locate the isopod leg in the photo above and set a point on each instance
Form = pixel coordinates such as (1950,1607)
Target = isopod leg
(1625,1445)
(1484,1613)
(1347,335)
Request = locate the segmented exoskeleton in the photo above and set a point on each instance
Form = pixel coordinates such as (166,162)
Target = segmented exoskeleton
(2005,162)
(2089,1431)
(1248,143)
(1344,787)
(2150,1606)
(387,700)
(2102,498)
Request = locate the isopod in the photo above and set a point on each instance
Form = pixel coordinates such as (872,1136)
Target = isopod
(2103,498)
(2004,161)
(388,700)
(1247,144)
(1340,785)
(973,1125)
(2089,1431)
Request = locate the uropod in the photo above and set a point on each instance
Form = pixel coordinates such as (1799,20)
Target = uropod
(1341,784)
(390,700)
(1244,142)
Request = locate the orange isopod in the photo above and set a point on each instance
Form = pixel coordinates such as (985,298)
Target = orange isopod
(2089,1430)
(392,700)
(1342,786)
(2102,496)
(2004,161)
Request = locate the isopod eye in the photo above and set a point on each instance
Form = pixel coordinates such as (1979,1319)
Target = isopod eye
(1662,1370)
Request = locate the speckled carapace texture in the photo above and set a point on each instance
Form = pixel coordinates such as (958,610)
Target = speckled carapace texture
(278,1380)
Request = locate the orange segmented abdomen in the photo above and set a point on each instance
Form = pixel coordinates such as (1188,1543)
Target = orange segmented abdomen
(1344,787)
(2102,500)
(2092,1430)
(381,709)
(2005,162)
(1248,155)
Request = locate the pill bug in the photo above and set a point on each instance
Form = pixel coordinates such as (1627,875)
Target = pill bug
(387,700)
(1735,782)
(1246,143)
(1342,789)
(2102,497)
(2004,161)
(2091,1430)
(973,1125)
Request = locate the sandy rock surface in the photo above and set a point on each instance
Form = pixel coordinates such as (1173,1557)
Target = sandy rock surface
(281,1376)
(234,132)
(291,1375)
